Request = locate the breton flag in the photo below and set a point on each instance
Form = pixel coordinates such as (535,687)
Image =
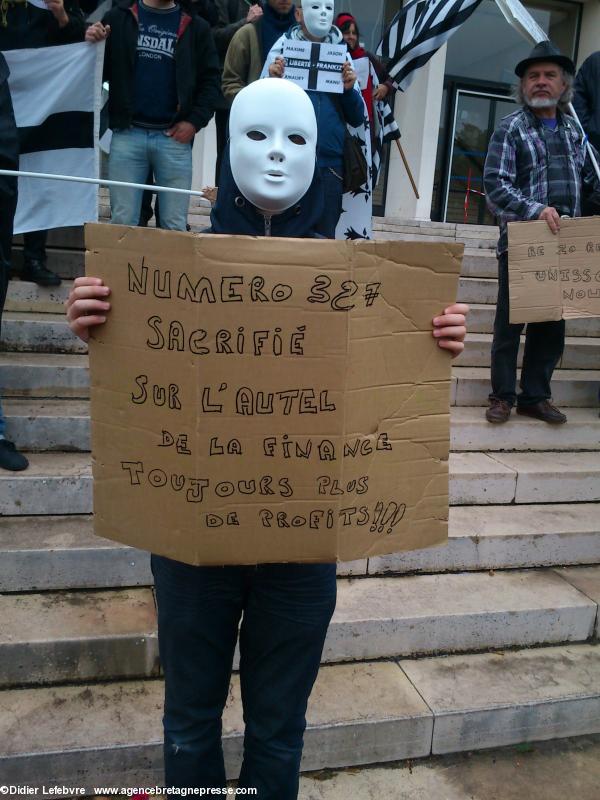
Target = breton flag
(418,31)
(56,98)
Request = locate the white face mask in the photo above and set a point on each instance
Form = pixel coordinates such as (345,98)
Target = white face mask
(273,142)
(318,17)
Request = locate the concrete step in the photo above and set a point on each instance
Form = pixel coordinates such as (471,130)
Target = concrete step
(75,636)
(54,483)
(110,734)
(61,552)
(470,431)
(64,425)
(497,478)
(494,699)
(29,297)
(579,352)
(51,553)
(52,425)
(41,333)
(420,614)
(570,387)
(501,537)
(587,581)
(61,483)
(481,320)
(478,263)
(477,290)
(544,771)
(44,375)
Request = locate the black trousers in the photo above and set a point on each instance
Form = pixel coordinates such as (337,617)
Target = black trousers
(544,344)
(34,246)
(222,126)
(8,205)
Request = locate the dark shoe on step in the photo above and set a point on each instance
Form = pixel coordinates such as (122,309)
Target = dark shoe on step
(10,458)
(545,411)
(499,411)
(37,272)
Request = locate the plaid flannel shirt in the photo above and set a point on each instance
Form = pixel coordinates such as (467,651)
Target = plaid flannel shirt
(515,173)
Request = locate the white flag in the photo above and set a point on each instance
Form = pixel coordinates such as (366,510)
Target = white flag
(56,97)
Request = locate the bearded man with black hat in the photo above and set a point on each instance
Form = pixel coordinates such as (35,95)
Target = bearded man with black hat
(536,168)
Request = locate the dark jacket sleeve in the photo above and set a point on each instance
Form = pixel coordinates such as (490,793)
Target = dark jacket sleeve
(591,182)
(208,76)
(74,30)
(381,72)
(353,107)
(225,28)
(586,99)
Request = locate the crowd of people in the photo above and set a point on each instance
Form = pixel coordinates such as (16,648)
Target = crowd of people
(171,66)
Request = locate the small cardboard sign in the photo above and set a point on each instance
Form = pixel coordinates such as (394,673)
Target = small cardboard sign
(315,67)
(265,400)
(554,276)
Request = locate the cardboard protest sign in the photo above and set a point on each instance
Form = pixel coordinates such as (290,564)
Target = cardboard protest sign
(554,276)
(258,399)
(313,66)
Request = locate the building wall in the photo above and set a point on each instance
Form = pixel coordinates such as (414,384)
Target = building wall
(589,39)
(418,114)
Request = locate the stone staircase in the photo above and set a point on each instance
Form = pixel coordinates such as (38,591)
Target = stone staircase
(489,641)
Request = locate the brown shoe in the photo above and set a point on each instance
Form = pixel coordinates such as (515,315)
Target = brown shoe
(545,411)
(499,411)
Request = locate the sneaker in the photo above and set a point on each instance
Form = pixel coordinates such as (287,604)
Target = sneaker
(37,272)
(498,411)
(10,458)
(545,411)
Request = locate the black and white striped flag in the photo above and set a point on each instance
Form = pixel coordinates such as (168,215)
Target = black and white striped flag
(56,98)
(417,32)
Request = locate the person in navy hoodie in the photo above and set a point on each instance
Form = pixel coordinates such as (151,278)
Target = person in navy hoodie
(163,71)
(269,187)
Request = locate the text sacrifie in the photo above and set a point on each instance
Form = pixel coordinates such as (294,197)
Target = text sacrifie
(259,400)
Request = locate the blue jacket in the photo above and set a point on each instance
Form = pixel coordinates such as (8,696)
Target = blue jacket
(329,109)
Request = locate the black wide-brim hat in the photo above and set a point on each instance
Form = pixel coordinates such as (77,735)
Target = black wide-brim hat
(545,51)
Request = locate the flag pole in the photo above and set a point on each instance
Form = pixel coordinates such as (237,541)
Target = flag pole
(408,172)
(100,181)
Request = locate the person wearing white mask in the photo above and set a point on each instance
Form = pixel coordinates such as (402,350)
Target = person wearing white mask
(333,111)
(269,186)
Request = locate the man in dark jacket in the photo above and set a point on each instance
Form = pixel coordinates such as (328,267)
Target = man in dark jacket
(251,45)
(284,608)
(163,71)
(9,159)
(586,101)
(23,25)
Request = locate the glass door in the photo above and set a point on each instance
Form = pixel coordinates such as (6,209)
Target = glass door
(476,115)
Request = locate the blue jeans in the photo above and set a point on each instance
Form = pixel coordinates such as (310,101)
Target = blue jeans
(133,153)
(285,611)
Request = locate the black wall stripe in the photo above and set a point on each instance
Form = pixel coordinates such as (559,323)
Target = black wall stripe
(59,132)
